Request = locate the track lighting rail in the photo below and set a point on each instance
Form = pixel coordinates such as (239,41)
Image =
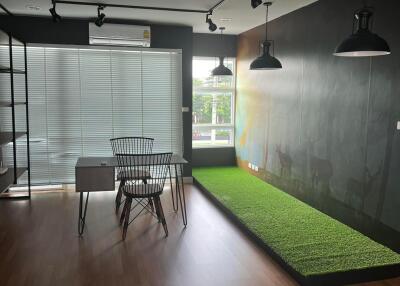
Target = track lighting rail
(139,7)
(215,6)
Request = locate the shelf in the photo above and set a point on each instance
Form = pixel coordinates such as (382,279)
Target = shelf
(7,137)
(15,195)
(7,179)
(8,70)
(8,104)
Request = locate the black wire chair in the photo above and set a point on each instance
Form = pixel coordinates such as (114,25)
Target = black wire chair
(156,165)
(131,145)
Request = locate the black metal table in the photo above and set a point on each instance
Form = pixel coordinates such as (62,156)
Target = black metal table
(97,174)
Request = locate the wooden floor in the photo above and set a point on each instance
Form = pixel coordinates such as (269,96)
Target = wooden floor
(39,245)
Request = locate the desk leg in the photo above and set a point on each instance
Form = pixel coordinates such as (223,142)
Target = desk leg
(180,191)
(184,214)
(82,213)
(174,204)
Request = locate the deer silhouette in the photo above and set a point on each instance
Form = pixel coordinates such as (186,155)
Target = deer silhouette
(285,161)
(357,191)
(320,169)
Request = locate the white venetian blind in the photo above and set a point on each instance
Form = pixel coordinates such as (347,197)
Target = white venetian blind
(82,97)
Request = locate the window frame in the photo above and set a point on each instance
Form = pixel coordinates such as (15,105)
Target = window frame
(217,90)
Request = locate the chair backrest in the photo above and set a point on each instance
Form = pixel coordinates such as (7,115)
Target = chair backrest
(152,168)
(132,145)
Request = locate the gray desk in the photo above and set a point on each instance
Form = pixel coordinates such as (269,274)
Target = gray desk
(97,174)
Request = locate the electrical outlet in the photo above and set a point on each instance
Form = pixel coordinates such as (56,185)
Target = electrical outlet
(398,125)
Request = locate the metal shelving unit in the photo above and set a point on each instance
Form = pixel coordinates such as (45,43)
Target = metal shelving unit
(14,172)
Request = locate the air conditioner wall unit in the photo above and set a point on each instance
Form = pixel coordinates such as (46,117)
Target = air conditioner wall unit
(119,35)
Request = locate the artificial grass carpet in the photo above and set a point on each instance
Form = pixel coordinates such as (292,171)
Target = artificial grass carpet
(308,240)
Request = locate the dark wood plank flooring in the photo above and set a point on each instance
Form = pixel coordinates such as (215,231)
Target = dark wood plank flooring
(39,245)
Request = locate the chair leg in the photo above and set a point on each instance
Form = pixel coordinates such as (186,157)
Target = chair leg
(119,196)
(150,200)
(124,210)
(151,204)
(157,209)
(127,213)
(163,221)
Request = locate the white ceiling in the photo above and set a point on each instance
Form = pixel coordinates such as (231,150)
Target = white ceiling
(242,16)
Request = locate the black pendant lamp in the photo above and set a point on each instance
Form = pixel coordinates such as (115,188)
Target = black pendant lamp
(266,61)
(363,43)
(221,70)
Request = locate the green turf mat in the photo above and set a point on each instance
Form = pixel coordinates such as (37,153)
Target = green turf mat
(309,241)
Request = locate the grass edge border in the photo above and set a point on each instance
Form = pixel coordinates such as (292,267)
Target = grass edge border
(334,279)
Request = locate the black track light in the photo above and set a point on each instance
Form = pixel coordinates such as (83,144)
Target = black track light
(211,26)
(255,3)
(100,17)
(54,15)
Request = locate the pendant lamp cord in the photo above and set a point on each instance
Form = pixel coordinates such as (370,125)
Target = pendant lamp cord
(266,25)
(221,36)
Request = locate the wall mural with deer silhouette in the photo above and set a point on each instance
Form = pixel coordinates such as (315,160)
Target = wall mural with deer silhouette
(324,128)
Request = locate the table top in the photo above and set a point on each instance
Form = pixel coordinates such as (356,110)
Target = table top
(91,162)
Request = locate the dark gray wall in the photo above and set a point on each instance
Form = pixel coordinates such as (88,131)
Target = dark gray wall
(205,157)
(213,45)
(71,31)
(323,128)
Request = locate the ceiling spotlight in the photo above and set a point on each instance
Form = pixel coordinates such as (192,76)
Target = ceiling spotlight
(211,26)
(54,15)
(255,3)
(100,17)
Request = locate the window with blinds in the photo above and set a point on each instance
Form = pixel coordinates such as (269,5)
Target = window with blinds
(80,97)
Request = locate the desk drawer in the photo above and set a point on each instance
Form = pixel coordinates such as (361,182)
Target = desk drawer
(94,179)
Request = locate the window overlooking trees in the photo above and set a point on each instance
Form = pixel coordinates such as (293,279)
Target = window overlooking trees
(213,104)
